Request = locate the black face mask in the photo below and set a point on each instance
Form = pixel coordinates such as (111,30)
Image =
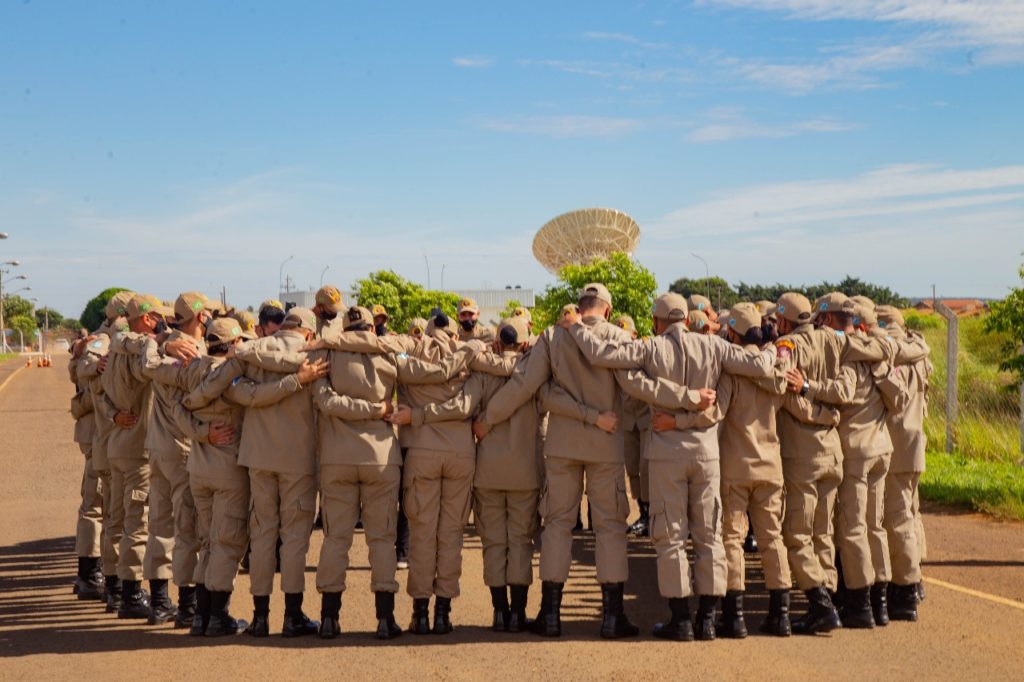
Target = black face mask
(160,327)
(328,316)
(381,329)
(468,324)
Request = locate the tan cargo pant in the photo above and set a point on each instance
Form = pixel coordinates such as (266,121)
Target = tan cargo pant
(636,466)
(901,523)
(172,551)
(345,492)
(609,508)
(89,527)
(686,501)
(811,486)
(763,501)
(437,493)
(129,481)
(283,505)
(863,545)
(112,528)
(222,528)
(507,523)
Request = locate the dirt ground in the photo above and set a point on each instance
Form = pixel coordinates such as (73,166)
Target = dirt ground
(46,633)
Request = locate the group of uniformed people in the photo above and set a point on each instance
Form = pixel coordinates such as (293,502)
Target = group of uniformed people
(209,435)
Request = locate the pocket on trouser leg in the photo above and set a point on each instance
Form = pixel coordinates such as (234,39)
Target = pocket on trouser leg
(409,499)
(621,500)
(543,503)
(659,522)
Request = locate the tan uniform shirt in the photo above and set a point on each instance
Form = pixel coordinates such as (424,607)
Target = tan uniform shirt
(480,332)
(81,404)
(748,440)
(126,388)
(906,421)
(163,434)
(103,415)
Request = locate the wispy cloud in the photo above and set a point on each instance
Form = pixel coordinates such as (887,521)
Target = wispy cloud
(626,38)
(725,125)
(473,62)
(617,70)
(566,126)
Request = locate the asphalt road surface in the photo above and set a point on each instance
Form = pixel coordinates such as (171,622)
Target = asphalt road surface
(972,623)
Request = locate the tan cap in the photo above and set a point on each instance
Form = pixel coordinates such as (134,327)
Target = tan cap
(523,312)
(329,298)
(417,325)
(598,291)
(377,310)
(765,307)
(271,303)
(697,321)
(698,302)
(518,325)
(189,304)
(670,307)
(299,317)
(144,304)
(468,304)
(889,316)
(834,302)
(743,317)
(357,315)
(223,329)
(625,322)
(863,301)
(247,321)
(865,316)
(794,307)
(569,309)
(117,306)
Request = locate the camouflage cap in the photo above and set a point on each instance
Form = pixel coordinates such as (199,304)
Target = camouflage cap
(329,298)
(299,318)
(379,310)
(698,302)
(189,304)
(144,304)
(468,304)
(625,322)
(889,316)
(357,315)
(247,322)
(514,330)
(670,307)
(794,307)
(598,291)
(117,306)
(222,330)
(743,317)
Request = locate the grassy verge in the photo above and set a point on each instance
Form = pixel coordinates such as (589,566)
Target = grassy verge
(7,356)
(995,488)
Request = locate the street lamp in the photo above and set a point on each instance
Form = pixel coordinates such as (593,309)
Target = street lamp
(280,272)
(3,235)
(707,273)
(322,275)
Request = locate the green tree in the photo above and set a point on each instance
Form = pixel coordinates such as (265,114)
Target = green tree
(16,306)
(24,324)
(55,318)
(403,299)
(632,287)
(510,308)
(722,294)
(93,315)
(851,286)
(1007,316)
(68,324)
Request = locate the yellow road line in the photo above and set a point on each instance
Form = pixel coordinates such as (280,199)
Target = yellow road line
(10,376)
(975,593)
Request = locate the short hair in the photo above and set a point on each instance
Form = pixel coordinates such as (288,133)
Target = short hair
(753,336)
(591,302)
(270,314)
(508,336)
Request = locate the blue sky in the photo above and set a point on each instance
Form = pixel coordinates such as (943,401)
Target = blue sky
(194,145)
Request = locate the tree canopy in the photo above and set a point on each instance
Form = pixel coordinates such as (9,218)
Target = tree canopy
(403,299)
(1007,316)
(93,315)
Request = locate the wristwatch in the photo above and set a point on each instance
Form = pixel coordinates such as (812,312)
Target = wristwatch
(806,387)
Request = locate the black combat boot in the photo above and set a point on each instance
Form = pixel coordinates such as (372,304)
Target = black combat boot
(920,592)
(442,616)
(777,621)
(260,625)
(201,618)
(297,623)
(733,624)
(186,607)
(517,621)
(330,615)
(614,622)
(89,580)
(387,628)
(821,614)
(857,612)
(221,623)
(502,611)
(750,543)
(880,603)
(678,627)
(903,602)
(420,623)
(161,608)
(704,627)
(549,620)
(642,526)
(114,590)
(134,600)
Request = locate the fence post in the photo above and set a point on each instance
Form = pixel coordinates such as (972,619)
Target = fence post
(952,353)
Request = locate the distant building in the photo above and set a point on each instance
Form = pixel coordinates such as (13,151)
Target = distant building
(963,307)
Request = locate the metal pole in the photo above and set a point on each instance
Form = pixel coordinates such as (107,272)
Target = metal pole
(3,336)
(952,351)
(324,273)
(442,276)
(280,272)
(707,273)
(427,261)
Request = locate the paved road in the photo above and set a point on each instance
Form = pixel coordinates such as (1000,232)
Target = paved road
(45,632)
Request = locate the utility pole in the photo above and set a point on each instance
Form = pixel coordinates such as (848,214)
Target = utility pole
(224,297)
(427,261)
(707,273)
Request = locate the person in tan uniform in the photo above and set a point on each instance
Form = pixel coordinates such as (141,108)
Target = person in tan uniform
(702,304)
(270,318)
(901,514)
(469,323)
(684,466)
(172,551)
(247,323)
(417,326)
(574,451)
(88,529)
(127,401)
(697,321)
(636,419)
(328,306)
(360,461)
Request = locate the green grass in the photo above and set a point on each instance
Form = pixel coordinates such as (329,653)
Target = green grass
(7,356)
(986,470)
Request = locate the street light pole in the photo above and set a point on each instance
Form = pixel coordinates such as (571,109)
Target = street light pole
(280,273)
(3,337)
(324,272)
(707,273)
